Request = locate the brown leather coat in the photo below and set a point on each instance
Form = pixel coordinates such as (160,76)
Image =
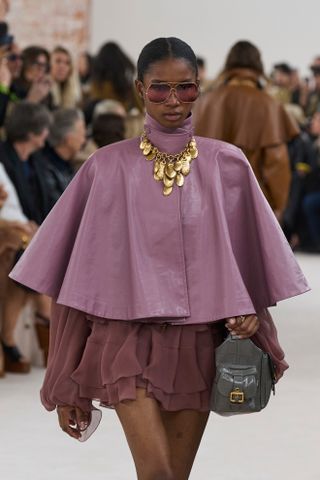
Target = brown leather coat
(241,113)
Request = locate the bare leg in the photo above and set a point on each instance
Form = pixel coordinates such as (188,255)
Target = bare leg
(147,439)
(42,305)
(184,432)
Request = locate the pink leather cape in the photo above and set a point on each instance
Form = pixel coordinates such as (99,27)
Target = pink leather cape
(115,247)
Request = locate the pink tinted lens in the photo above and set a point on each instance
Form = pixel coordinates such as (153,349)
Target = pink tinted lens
(187,92)
(158,92)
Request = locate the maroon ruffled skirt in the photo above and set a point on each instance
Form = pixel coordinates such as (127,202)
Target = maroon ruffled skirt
(91,358)
(94,359)
(173,363)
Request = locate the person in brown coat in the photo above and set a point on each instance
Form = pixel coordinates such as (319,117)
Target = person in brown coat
(240,112)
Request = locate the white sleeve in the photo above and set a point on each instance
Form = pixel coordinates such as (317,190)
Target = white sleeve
(11,209)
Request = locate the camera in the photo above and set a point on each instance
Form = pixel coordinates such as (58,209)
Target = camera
(6,40)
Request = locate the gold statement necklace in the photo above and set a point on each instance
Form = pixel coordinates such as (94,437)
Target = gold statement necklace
(169,169)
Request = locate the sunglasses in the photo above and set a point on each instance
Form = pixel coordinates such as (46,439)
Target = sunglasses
(14,57)
(185,92)
(41,65)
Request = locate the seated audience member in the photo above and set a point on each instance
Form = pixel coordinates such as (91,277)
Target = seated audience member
(85,72)
(108,128)
(65,90)
(27,127)
(105,107)
(67,136)
(299,89)
(281,83)
(13,235)
(133,121)
(301,154)
(205,83)
(311,201)
(34,82)
(112,79)
(313,100)
(14,59)
(10,68)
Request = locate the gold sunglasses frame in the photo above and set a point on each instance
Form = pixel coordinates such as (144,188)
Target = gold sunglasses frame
(173,89)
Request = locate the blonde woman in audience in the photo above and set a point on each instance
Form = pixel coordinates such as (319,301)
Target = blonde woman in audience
(66,91)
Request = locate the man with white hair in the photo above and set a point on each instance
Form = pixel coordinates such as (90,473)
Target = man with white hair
(67,136)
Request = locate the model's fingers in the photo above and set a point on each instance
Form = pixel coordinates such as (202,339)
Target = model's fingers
(82,419)
(231,323)
(67,421)
(249,327)
(244,326)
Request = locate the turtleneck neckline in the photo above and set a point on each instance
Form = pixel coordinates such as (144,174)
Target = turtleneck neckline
(169,140)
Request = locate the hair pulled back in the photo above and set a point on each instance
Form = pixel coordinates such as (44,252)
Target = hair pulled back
(163,48)
(244,54)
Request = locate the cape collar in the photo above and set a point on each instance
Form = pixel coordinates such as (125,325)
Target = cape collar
(242,76)
(169,140)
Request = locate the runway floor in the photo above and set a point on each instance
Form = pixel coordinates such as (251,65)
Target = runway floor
(280,443)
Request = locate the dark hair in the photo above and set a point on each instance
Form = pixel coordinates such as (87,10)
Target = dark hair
(84,78)
(30,55)
(162,48)
(108,128)
(113,65)
(283,68)
(201,62)
(244,55)
(25,118)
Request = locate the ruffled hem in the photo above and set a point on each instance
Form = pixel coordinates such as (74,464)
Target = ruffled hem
(106,360)
(174,364)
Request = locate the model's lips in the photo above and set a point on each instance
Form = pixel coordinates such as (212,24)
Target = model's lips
(173,116)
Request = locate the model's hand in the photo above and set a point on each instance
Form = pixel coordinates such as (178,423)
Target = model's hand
(39,90)
(243,326)
(72,420)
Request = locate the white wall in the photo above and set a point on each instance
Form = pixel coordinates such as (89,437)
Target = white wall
(282,29)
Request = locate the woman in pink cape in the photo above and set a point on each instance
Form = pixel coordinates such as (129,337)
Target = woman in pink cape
(159,247)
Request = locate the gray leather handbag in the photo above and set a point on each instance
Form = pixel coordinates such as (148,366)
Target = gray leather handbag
(244,378)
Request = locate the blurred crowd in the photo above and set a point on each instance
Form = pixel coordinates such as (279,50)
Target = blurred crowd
(56,110)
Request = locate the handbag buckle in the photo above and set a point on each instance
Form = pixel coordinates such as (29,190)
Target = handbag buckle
(236,396)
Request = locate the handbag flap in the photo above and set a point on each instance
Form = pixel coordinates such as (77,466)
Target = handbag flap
(245,379)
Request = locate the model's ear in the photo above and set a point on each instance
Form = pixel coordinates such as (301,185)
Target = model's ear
(139,88)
